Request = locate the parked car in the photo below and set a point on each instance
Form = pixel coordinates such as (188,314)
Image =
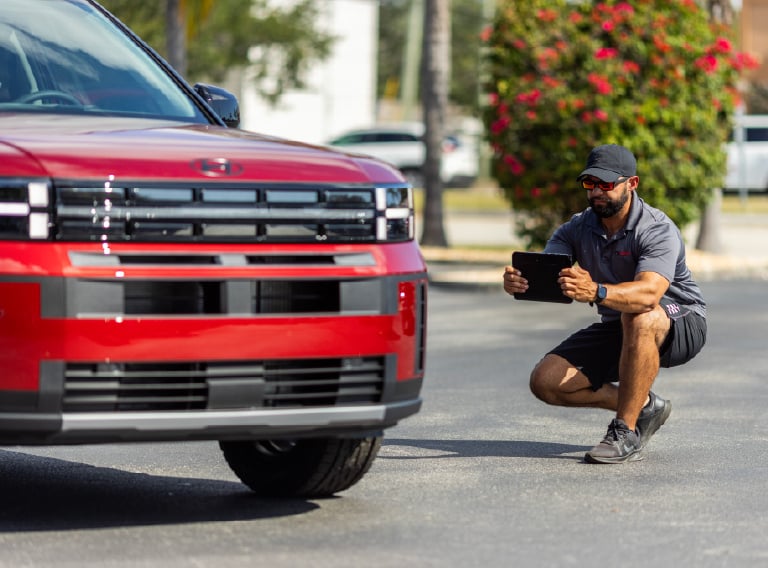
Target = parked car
(165,277)
(748,155)
(402,145)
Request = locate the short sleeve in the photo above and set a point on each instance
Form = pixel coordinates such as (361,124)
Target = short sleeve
(659,250)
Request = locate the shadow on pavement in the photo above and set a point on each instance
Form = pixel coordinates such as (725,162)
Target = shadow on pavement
(482,448)
(47,494)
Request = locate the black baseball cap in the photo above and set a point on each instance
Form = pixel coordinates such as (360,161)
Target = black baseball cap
(609,162)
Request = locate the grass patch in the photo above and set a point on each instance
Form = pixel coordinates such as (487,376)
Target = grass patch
(490,199)
(472,200)
(755,203)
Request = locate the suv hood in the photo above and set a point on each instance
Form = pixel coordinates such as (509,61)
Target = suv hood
(81,147)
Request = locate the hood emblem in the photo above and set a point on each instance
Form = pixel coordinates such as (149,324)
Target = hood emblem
(217,167)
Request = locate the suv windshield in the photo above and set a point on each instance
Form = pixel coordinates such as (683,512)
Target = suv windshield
(64,56)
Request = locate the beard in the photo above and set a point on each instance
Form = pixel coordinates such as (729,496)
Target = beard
(610,207)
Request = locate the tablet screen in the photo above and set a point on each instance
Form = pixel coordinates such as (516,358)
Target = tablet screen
(541,270)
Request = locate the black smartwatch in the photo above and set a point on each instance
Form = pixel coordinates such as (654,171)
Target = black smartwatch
(602,292)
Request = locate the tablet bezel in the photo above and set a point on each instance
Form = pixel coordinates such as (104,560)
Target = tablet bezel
(541,270)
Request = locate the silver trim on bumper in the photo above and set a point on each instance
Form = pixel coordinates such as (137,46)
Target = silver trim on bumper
(202,420)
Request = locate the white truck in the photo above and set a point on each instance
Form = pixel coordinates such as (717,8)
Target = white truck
(748,155)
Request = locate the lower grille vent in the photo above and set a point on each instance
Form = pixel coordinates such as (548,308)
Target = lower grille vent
(131,387)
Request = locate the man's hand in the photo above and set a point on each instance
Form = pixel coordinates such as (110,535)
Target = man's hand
(577,283)
(514,283)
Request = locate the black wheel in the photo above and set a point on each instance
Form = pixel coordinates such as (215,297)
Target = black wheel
(60,96)
(313,467)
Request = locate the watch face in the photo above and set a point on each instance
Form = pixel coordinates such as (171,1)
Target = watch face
(601,292)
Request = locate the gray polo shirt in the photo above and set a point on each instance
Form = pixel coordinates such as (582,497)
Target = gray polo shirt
(649,242)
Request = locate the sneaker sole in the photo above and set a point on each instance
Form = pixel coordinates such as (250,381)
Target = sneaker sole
(634,456)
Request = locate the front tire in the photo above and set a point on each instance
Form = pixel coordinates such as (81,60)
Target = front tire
(313,467)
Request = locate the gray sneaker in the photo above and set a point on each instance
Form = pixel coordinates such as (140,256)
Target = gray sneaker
(619,445)
(652,416)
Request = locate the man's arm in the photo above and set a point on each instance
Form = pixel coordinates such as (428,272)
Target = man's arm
(638,296)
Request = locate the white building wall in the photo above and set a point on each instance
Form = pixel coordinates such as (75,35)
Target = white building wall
(340,92)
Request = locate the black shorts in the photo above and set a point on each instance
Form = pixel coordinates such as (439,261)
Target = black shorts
(595,350)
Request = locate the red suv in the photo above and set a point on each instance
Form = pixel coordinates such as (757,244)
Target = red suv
(165,276)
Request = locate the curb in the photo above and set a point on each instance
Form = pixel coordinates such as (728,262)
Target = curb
(482,268)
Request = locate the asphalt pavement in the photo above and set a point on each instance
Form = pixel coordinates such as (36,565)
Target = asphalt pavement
(481,244)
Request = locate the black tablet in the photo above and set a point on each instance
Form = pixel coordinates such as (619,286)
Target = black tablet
(541,270)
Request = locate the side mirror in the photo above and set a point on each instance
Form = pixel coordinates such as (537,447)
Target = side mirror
(222,102)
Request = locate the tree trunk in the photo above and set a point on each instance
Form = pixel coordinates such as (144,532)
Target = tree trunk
(434,96)
(709,239)
(176,36)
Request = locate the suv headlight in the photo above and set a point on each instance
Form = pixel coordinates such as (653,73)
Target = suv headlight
(25,209)
(394,213)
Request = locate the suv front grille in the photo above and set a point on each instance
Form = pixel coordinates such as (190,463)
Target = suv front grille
(130,387)
(235,213)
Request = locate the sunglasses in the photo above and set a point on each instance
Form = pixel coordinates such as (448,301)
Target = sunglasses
(590,184)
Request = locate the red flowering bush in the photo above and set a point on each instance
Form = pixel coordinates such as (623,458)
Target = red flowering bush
(652,75)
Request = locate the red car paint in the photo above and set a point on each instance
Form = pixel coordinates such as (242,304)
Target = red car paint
(173,279)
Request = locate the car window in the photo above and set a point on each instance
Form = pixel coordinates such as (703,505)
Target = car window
(395,137)
(756,134)
(348,139)
(66,57)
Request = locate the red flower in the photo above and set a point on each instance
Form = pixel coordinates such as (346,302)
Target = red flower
(722,45)
(485,33)
(744,61)
(606,53)
(630,67)
(601,115)
(530,98)
(514,165)
(661,45)
(500,125)
(601,84)
(707,63)
(608,26)
(547,15)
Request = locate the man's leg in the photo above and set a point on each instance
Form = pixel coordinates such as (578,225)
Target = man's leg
(643,334)
(639,362)
(556,381)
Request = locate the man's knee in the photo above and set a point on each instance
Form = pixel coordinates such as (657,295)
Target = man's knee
(546,378)
(653,323)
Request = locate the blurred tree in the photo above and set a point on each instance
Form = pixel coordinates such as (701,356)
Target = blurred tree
(656,76)
(435,68)
(709,238)
(466,21)
(279,42)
